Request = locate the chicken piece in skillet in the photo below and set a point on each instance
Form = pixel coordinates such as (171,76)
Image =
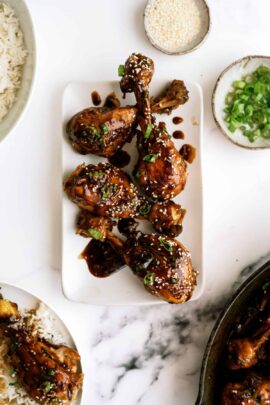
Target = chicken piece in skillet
(175,95)
(161,172)
(49,373)
(246,352)
(163,264)
(101,130)
(107,191)
(254,389)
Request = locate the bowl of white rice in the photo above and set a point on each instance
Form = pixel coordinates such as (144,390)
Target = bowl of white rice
(17,62)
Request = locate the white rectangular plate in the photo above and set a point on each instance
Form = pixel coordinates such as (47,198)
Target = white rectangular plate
(123,288)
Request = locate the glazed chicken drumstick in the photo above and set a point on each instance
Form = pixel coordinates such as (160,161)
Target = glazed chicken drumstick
(254,389)
(163,264)
(246,352)
(103,130)
(49,373)
(160,171)
(107,191)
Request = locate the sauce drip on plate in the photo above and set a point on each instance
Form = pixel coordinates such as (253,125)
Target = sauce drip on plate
(96,99)
(177,120)
(188,153)
(120,159)
(178,135)
(101,258)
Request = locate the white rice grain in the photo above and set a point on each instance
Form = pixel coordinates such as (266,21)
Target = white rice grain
(12,58)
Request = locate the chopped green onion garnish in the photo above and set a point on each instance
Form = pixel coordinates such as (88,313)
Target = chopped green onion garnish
(94,131)
(247,106)
(151,158)
(13,373)
(104,128)
(47,386)
(105,191)
(145,209)
(96,173)
(166,244)
(149,279)
(12,384)
(51,372)
(148,131)
(175,278)
(266,286)
(137,174)
(94,234)
(121,70)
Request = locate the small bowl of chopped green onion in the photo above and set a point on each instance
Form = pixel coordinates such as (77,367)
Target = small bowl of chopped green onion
(241,102)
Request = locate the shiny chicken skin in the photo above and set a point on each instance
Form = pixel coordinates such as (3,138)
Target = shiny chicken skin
(101,130)
(163,265)
(107,191)
(102,189)
(254,389)
(160,171)
(103,254)
(246,352)
(49,373)
(175,95)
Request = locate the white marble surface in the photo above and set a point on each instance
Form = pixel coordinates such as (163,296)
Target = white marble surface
(132,355)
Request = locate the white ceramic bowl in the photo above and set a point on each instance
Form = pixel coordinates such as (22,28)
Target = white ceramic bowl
(15,113)
(235,72)
(198,40)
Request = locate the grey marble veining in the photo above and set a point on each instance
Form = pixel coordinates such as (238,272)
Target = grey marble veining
(154,354)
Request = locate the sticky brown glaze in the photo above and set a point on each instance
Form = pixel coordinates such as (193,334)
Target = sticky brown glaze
(101,130)
(178,135)
(254,389)
(107,191)
(103,189)
(90,225)
(163,265)
(246,352)
(112,101)
(120,159)
(188,153)
(49,373)
(174,96)
(138,73)
(161,172)
(101,258)
(167,218)
(96,99)
(177,120)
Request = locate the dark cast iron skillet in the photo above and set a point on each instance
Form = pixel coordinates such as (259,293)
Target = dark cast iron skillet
(211,371)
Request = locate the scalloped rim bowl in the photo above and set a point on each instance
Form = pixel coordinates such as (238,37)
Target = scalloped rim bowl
(197,42)
(235,72)
(23,96)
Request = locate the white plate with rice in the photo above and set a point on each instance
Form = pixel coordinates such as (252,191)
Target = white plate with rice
(49,326)
(17,61)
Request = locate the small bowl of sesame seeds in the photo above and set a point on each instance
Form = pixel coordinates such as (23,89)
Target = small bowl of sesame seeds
(176,27)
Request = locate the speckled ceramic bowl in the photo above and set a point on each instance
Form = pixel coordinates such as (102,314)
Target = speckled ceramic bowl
(15,113)
(198,40)
(235,72)
(210,379)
